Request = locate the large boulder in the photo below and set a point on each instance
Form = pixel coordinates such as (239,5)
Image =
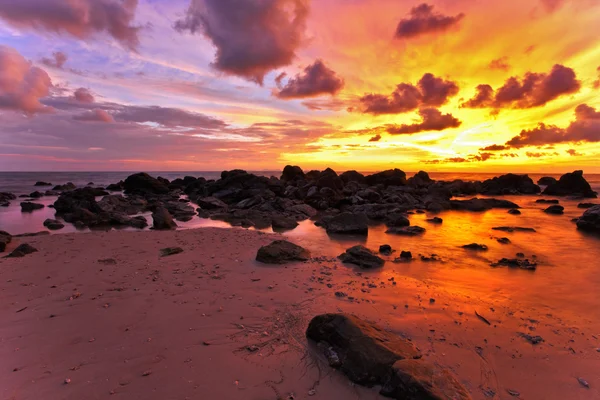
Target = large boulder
(329,179)
(27,206)
(143,183)
(391,177)
(211,203)
(477,204)
(509,184)
(571,184)
(590,220)
(281,252)
(5,239)
(361,256)
(421,179)
(352,176)
(292,173)
(348,223)
(162,219)
(547,181)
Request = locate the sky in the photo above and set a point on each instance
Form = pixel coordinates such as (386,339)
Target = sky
(206,85)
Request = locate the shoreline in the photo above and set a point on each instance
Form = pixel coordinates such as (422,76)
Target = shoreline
(179,319)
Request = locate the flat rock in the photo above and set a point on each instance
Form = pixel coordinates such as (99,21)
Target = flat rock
(281,252)
(555,209)
(547,201)
(41,183)
(476,247)
(435,220)
(53,224)
(407,231)
(348,224)
(513,229)
(21,251)
(28,206)
(170,251)
(361,256)
(477,204)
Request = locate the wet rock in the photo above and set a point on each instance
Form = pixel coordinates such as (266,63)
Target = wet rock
(281,252)
(21,251)
(546,181)
(481,204)
(509,184)
(53,224)
(41,183)
(431,258)
(435,220)
(51,193)
(513,229)
(476,247)
(503,240)
(555,209)
(514,211)
(532,339)
(142,183)
(585,206)
(5,239)
(283,223)
(211,203)
(63,188)
(116,187)
(397,220)
(27,206)
(170,251)
(162,219)
(366,352)
(590,220)
(516,263)
(392,177)
(352,176)
(5,198)
(571,184)
(407,231)
(418,380)
(36,195)
(547,201)
(421,179)
(385,249)
(348,224)
(117,203)
(361,256)
(329,179)
(292,173)
(406,255)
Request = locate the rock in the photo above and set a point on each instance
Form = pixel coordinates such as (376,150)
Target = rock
(418,380)
(142,183)
(407,231)
(34,234)
(22,250)
(36,195)
(571,184)
(116,203)
(211,203)
(51,193)
(421,179)
(516,263)
(481,204)
(514,211)
(555,209)
(509,184)
(283,223)
(406,255)
(348,224)
(5,198)
(5,239)
(66,187)
(116,187)
(366,352)
(27,206)
(41,183)
(531,339)
(281,252)
(590,220)
(587,205)
(503,240)
(170,251)
(53,224)
(397,220)
(476,247)
(547,201)
(292,173)
(390,177)
(162,219)
(435,220)
(361,256)
(385,249)
(352,176)
(329,179)
(546,181)
(513,229)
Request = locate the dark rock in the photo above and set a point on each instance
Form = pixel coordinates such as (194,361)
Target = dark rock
(5,198)
(547,181)
(385,249)
(361,256)
(283,223)
(116,187)
(509,184)
(390,177)
(115,203)
(292,173)
(63,188)
(348,223)
(142,183)
(435,220)
(5,239)
(40,183)
(421,179)
(571,184)
(481,204)
(585,206)
(520,255)
(547,201)
(281,252)
(162,219)
(516,263)
(170,251)
(397,220)
(34,234)
(365,352)
(531,339)
(51,193)
(211,203)
(36,195)
(503,240)
(513,229)
(329,179)
(555,209)
(27,206)
(590,220)
(431,258)
(476,247)
(514,211)
(407,231)
(53,224)
(352,176)
(21,251)
(418,380)
(407,255)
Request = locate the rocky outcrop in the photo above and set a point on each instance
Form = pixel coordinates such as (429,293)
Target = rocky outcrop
(21,251)
(162,219)
(590,220)
(392,177)
(53,224)
(282,252)
(352,176)
(571,184)
(421,179)
(481,204)
(41,183)
(516,263)
(348,224)
(509,184)
(5,239)
(361,256)
(143,183)
(28,207)
(546,181)
(63,188)
(292,173)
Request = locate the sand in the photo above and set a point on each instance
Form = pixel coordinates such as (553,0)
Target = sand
(101,315)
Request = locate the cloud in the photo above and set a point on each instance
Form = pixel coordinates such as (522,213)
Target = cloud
(494,147)
(21,84)
(597,83)
(481,157)
(57,61)
(585,128)
(573,153)
(533,90)
(432,120)
(167,117)
(375,138)
(423,20)
(79,18)
(500,64)
(83,95)
(252,37)
(325,104)
(429,92)
(552,5)
(95,115)
(316,80)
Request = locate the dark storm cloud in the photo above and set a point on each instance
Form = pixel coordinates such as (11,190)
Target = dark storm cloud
(317,79)
(252,37)
(432,120)
(423,20)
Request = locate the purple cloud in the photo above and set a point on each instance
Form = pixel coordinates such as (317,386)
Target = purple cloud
(95,115)
(432,120)
(83,95)
(317,79)
(423,20)
(57,61)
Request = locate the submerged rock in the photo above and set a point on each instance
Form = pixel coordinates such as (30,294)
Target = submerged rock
(516,263)
(407,231)
(281,252)
(571,184)
(348,223)
(21,251)
(503,240)
(590,220)
(41,183)
(514,211)
(481,204)
(435,220)
(361,256)
(162,219)
(513,229)
(53,224)
(66,187)
(385,249)
(5,198)
(547,201)
(27,206)
(476,247)
(555,209)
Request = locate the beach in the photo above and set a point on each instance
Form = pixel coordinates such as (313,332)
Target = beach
(106,313)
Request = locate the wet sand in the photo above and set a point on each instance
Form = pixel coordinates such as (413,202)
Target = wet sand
(106,313)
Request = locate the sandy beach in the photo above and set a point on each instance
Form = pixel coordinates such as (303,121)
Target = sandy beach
(103,315)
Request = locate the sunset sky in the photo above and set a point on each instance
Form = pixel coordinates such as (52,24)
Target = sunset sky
(499,86)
